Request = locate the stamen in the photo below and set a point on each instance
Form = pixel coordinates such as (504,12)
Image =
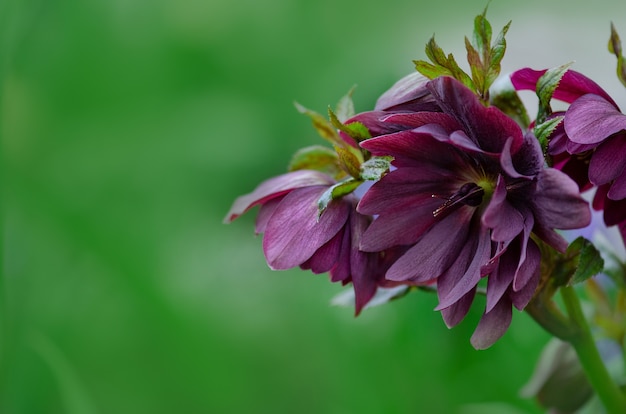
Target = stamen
(469,194)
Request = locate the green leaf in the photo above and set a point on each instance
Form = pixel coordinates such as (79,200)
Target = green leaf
(509,102)
(497,54)
(345,106)
(350,160)
(589,262)
(374,168)
(482,34)
(544,130)
(615,47)
(318,158)
(355,130)
(337,191)
(546,85)
(322,125)
(441,65)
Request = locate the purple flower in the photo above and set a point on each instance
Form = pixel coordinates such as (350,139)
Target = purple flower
(468,190)
(590,144)
(295,235)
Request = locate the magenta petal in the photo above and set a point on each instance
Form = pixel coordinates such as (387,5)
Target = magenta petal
(455,313)
(558,203)
(363,266)
(530,259)
(618,188)
(608,161)
(488,127)
(265,213)
(294,232)
(275,187)
(572,86)
(326,256)
(522,297)
(500,280)
(505,221)
(424,261)
(473,272)
(493,325)
(591,119)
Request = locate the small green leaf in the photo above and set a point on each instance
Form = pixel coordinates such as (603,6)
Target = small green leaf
(509,102)
(546,85)
(544,130)
(345,106)
(336,191)
(355,130)
(441,65)
(322,125)
(350,159)
(497,54)
(589,262)
(318,158)
(584,260)
(374,168)
(615,47)
(482,34)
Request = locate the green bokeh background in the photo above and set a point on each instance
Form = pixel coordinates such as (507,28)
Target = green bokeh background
(129,126)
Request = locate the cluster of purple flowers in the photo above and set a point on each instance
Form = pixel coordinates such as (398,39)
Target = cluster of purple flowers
(469,197)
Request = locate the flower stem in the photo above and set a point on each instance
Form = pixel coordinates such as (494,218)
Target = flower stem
(599,378)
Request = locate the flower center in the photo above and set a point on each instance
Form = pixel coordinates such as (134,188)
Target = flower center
(470,194)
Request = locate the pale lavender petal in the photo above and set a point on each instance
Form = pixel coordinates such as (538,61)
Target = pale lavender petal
(591,119)
(294,232)
(505,220)
(275,187)
(608,161)
(557,202)
(411,88)
(493,325)
(424,261)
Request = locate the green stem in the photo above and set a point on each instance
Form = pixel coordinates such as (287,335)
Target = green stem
(589,357)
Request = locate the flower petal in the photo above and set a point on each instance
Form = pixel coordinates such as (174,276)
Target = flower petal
(572,86)
(590,119)
(557,203)
(275,187)
(294,232)
(505,220)
(424,261)
(608,161)
(493,325)
(408,93)
(488,127)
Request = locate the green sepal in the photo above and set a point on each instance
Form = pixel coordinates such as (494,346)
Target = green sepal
(546,85)
(350,159)
(355,130)
(319,158)
(323,126)
(509,102)
(615,47)
(588,262)
(544,130)
(337,191)
(374,168)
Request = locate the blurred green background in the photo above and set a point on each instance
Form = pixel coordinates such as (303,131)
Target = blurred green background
(128,128)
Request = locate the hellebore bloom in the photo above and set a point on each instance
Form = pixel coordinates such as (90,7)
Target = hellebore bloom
(590,144)
(468,190)
(295,235)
